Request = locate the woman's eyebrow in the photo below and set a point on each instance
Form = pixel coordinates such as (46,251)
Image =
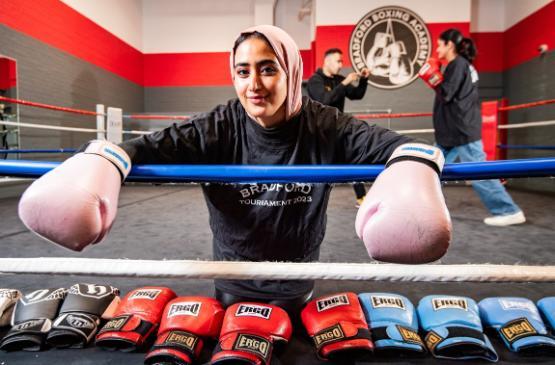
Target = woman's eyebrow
(259,63)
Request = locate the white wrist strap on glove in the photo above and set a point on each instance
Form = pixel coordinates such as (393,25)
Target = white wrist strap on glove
(112,153)
(430,155)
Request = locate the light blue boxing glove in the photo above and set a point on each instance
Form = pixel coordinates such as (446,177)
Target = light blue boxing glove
(453,328)
(547,309)
(519,324)
(394,323)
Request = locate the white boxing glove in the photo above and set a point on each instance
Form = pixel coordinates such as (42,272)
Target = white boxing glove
(8,298)
(403,218)
(75,204)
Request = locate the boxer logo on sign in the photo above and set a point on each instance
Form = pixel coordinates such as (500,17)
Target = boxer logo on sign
(394,43)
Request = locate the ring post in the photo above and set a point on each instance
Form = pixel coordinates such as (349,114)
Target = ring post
(100,125)
(501,154)
(490,115)
(114,125)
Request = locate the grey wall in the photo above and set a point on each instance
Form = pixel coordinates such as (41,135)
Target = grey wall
(490,85)
(186,99)
(48,75)
(531,81)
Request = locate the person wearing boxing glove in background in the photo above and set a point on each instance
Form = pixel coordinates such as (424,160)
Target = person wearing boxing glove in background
(430,73)
(186,324)
(135,320)
(32,320)
(394,323)
(458,121)
(518,323)
(269,123)
(80,315)
(329,87)
(338,328)
(250,334)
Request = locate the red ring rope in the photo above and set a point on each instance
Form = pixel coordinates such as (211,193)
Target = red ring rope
(393,115)
(161,117)
(46,106)
(526,105)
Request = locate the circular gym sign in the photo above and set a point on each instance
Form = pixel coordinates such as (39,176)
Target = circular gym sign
(393,43)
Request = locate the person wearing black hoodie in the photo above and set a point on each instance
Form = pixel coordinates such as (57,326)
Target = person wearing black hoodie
(328,87)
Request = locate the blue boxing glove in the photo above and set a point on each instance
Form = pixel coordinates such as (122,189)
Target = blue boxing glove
(393,321)
(519,324)
(453,328)
(547,309)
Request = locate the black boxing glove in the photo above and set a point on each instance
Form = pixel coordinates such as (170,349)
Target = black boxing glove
(81,313)
(32,320)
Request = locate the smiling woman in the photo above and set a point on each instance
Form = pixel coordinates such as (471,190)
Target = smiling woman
(259,80)
(267,76)
(269,123)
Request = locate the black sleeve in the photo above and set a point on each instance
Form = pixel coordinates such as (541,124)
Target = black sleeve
(357,93)
(199,140)
(452,79)
(364,143)
(317,91)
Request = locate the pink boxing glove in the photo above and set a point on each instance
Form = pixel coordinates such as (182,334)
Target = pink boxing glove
(431,73)
(75,204)
(403,218)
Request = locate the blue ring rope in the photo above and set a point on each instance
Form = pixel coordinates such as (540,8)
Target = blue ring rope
(532,167)
(524,147)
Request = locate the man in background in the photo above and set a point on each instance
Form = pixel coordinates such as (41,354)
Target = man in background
(328,87)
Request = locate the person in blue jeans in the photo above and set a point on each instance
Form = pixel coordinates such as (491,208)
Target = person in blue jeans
(458,123)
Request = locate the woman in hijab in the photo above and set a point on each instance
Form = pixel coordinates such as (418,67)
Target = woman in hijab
(269,123)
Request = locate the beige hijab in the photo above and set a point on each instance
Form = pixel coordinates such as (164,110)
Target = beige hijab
(289,58)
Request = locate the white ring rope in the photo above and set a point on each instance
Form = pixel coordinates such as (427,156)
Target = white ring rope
(526,125)
(415,131)
(137,132)
(275,270)
(505,126)
(52,127)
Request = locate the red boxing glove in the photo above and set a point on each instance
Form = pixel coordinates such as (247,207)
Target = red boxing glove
(186,321)
(135,320)
(75,204)
(338,327)
(249,333)
(431,73)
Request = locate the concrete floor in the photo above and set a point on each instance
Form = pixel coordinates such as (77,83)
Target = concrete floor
(157,222)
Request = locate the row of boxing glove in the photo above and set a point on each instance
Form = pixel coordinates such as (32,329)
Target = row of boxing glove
(340,325)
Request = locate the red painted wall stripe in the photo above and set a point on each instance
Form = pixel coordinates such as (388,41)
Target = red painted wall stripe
(58,25)
(197,69)
(490,51)
(308,63)
(187,69)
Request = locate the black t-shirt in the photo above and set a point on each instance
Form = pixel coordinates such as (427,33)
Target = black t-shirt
(330,91)
(457,118)
(267,222)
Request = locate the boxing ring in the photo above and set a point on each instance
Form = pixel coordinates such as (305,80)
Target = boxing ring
(161,237)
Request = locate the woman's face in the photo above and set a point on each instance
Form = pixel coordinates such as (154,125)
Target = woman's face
(260,82)
(443,48)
